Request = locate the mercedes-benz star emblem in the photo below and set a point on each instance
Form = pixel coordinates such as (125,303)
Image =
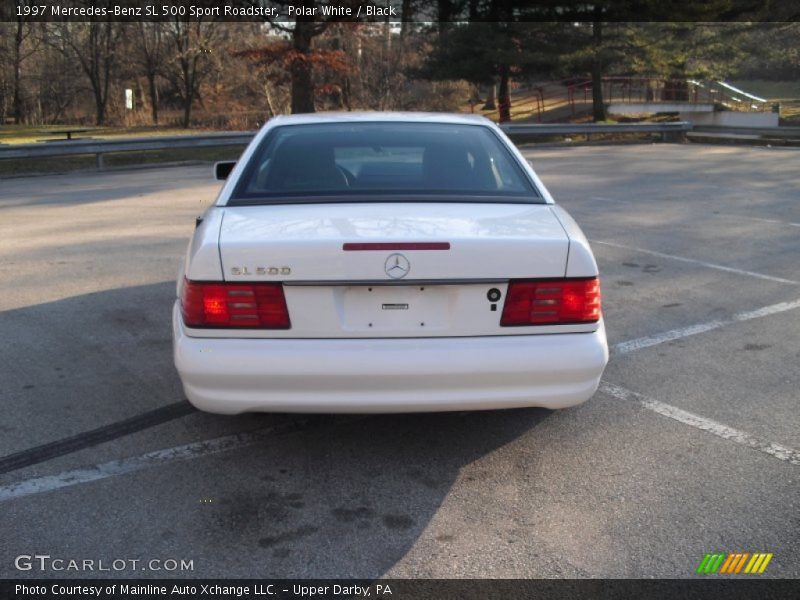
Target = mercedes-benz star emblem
(397,266)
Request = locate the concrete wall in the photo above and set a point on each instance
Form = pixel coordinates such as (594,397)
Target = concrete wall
(637,108)
(731,118)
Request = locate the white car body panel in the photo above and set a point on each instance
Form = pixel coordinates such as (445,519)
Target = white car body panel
(202,261)
(232,376)
(498,241)
(580,260)
(344,351)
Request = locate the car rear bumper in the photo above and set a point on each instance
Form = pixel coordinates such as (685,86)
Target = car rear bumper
(226,375)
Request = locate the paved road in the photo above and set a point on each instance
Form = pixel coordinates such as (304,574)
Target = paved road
(687,449)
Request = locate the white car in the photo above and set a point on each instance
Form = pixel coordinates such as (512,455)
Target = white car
(386,262)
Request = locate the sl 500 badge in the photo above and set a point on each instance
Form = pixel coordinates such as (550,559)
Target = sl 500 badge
(261,271)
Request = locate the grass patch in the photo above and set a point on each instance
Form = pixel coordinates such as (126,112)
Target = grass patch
(790,112)
(60,164)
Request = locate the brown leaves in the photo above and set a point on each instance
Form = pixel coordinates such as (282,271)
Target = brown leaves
(283,55)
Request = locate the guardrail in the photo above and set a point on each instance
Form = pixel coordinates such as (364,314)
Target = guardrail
(545,129)
(102,147)
(766,132)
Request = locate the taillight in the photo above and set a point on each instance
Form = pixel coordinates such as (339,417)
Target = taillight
(229,305)
(551,302)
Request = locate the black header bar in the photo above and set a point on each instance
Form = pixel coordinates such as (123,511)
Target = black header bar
(429,11)
(400,589)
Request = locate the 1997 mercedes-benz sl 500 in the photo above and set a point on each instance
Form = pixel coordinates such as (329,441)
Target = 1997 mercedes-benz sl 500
(386,262)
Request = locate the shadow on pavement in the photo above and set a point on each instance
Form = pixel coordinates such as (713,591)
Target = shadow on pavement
(345,496)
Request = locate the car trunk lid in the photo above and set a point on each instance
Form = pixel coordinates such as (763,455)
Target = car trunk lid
(393,269)
(386,242)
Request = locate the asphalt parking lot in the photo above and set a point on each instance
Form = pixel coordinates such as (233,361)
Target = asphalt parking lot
(691,446)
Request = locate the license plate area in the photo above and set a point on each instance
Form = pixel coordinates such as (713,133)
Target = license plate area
(396,308)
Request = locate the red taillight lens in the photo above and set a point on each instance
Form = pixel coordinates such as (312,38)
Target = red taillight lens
(551,302)
(228,305)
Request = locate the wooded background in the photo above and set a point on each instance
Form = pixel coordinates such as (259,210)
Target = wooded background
(235,75)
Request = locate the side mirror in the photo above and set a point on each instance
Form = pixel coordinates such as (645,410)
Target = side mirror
(223,169)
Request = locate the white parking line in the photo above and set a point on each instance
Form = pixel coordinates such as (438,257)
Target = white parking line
(702,263)
(49,483)
(709,425)
(676,334)
(761,219)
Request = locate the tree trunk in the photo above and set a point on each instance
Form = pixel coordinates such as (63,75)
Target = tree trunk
(107,69)
(151,59)
(386,94)
(503,95)
(189,69)
(444,11)
(491,103)
(406,16)
(100,108)
(598,105)
(187,114)
(188,95)
(301,69)
(151,84)
(347,97)
(17,101)
(99,64)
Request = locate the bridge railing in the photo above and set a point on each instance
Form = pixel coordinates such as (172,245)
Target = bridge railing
(576,91)
(655,90)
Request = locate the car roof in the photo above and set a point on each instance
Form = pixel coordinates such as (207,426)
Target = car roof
(378,117)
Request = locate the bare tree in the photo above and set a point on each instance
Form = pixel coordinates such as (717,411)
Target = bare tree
(20,43)
(92,44)
(190,59)
(52,79)
(22,34)
(5,83)
(151,53)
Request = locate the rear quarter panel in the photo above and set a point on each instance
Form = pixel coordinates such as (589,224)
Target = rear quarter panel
(202,261)
(580,258)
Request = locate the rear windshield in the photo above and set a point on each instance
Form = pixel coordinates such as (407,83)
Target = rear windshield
(373,161)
